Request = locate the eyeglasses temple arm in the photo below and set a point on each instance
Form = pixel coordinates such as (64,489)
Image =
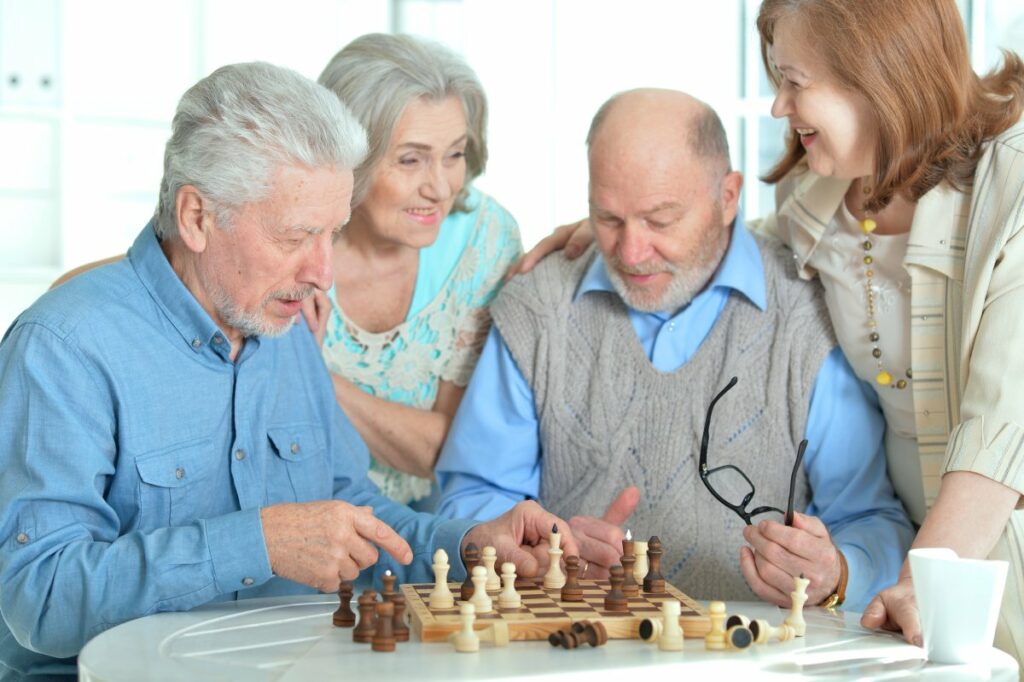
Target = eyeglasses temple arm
(792,481)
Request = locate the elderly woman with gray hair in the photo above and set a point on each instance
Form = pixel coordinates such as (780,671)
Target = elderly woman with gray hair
(419,262)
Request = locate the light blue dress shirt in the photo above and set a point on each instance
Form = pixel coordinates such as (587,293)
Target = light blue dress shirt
(844,460)
(135,457)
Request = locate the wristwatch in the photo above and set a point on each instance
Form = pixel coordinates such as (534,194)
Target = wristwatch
(839,596)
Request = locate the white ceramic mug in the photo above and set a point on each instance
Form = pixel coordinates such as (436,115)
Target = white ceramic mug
(958,600)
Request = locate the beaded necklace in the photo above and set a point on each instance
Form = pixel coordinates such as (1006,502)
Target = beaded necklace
(883,377)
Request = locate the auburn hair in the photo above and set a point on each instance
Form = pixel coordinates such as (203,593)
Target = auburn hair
(909,59)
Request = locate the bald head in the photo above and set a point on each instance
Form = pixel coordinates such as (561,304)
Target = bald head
(654,121)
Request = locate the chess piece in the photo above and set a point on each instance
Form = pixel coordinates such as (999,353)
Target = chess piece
(488,559)
(481,600)
(798,596)
(650,629)
(671,638)
(366,604)
(496,633)
(388,581)
(554,579)
(615,600)
(509,598)
(466,640)
(630,588)
(383,637)
(398,626)
(763,632)
(572,591)
(640,567)
(344,617)
(653,582)
(715,639)
(471,559)
(441,596)
(736,619)
(627,545)
(738,637)
(593,633)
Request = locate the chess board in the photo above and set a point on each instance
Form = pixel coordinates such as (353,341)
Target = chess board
(543,612)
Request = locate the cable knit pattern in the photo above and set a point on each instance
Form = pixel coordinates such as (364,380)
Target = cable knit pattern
(609,419)
(442,341)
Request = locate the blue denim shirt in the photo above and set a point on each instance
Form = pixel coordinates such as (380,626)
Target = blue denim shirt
(135,457)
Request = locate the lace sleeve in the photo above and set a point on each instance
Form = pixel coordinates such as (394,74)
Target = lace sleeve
(496,244)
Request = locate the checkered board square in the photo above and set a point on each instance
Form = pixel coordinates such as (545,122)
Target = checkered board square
(543,612)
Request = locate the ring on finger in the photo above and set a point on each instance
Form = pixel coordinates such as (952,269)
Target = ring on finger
(586,567)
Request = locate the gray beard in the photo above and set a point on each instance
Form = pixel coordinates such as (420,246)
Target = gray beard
(250,323)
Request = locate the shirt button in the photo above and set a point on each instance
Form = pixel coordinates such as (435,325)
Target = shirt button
(22,538)
(179,473)
(218,339)
(239,455)
(295,448)
(247,581)
(196,343)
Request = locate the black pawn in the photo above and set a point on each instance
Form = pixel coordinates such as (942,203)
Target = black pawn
(344,617)
(572,591)
(398,627)
(367,618)
(629,586)
(383,638)
(653,582)
(470,559)
(615,600)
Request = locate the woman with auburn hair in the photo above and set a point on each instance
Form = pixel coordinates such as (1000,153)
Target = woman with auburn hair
(902,190)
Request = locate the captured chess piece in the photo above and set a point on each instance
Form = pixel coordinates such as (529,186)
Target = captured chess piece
(671,638)
(653,582)
(615,600)
(480,600)
(496,633)
(488,559)
(466,639)
(738,637)
(798,596)
(593,633)
(554,579)
(344,617)
(441,596)
(763,631)
(366,604)
(715,639)
(383,636)
(509,598)
(736,619)
(471,558)
(572,591)
(398,626)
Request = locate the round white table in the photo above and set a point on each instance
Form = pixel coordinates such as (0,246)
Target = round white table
(293,638)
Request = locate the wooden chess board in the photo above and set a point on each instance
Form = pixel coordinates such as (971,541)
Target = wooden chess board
(543,612)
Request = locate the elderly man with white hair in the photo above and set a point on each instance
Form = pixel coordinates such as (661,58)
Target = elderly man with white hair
(170,435)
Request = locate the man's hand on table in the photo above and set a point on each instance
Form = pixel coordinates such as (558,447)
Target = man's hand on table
(521,536)
(895,609)
(322,543)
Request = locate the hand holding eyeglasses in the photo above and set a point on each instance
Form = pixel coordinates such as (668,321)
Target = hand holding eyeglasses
(778,552)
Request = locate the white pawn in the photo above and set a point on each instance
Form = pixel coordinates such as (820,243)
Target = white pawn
(441,597)
(798,596)
(509,598)
(671,638)
(480,599)
(489,557)
(466,640)
(715,639)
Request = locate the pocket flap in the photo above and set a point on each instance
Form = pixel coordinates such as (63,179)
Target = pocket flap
(177,466)
(296,442)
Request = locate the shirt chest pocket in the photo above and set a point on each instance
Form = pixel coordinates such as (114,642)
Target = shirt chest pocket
(299,455)
(174,484)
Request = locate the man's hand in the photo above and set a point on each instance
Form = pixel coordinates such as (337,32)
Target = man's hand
(317,309)
(895,609)
(521,536)
(573,239)
(778,553)
(601,539)
(322,543)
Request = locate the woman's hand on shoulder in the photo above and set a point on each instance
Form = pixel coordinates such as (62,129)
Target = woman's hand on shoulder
(316,310)
(573,239)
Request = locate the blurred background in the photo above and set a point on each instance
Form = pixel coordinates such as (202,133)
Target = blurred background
(88,89)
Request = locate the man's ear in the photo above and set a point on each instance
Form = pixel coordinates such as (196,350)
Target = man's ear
(195,218)
(732,184)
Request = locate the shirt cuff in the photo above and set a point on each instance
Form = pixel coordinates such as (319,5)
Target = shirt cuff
(1000,459)
(859,579)
(238,550)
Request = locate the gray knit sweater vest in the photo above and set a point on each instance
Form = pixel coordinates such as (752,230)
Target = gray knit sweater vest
(609,419)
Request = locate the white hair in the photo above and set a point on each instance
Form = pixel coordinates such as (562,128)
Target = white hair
(377,75)
(235,128)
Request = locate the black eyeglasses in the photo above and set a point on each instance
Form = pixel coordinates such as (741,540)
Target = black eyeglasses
(730,483)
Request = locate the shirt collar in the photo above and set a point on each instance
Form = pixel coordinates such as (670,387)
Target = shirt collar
(180,307)
(741,270)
